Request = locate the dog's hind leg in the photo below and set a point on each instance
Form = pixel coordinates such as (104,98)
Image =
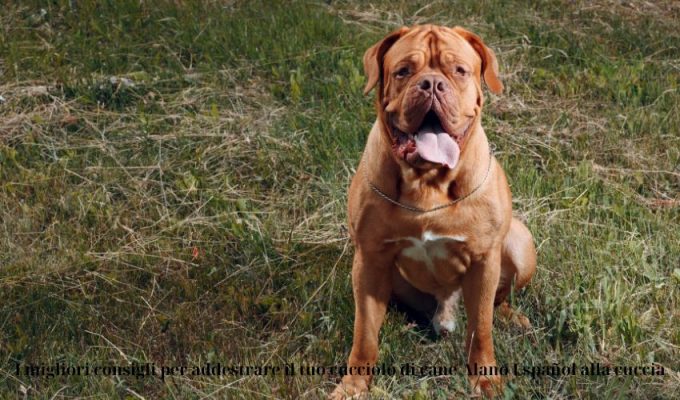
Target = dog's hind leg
(518,260)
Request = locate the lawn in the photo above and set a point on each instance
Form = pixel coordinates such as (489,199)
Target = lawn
(173,181)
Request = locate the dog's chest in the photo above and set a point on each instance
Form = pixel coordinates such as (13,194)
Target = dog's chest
(432,259)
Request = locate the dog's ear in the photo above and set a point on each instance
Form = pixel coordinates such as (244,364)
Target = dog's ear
(489,63)
(373,58)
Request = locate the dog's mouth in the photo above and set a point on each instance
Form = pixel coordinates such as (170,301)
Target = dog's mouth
(430,142)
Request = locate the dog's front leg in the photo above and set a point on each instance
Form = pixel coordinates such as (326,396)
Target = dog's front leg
(372,286)
(479,289)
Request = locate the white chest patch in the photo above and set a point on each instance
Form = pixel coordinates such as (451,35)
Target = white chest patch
(428,248)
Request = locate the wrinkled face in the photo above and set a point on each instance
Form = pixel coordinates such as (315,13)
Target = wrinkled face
(430,92)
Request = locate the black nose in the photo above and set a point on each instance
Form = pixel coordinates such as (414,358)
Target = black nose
(429,83)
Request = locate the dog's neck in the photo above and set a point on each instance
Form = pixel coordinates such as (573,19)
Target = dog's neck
(396,178)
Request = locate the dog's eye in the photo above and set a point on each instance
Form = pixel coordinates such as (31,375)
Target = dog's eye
(402,72)
(460,70)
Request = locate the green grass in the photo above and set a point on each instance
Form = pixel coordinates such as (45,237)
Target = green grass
(192,208)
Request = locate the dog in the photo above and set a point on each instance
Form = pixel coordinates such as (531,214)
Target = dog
(430,212)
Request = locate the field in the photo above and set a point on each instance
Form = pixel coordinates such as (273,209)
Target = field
(173,182)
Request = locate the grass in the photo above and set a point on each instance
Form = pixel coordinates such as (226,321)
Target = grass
(173,183)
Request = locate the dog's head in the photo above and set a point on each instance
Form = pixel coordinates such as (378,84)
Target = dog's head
(429,95)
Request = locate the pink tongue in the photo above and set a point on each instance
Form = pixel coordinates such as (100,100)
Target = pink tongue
(437,146)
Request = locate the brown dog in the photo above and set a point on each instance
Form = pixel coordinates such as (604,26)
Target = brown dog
(429,207)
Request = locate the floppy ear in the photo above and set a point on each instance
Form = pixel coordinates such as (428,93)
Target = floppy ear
(489,63)
(373,58)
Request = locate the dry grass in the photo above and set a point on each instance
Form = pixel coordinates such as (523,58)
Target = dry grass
(179,196)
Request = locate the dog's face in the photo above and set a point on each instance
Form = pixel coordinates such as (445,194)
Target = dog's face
(429,91)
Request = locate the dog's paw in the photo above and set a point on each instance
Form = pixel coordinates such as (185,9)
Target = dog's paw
(443,327)
(444,318)
(512,316)
(488,386)
(350,388)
